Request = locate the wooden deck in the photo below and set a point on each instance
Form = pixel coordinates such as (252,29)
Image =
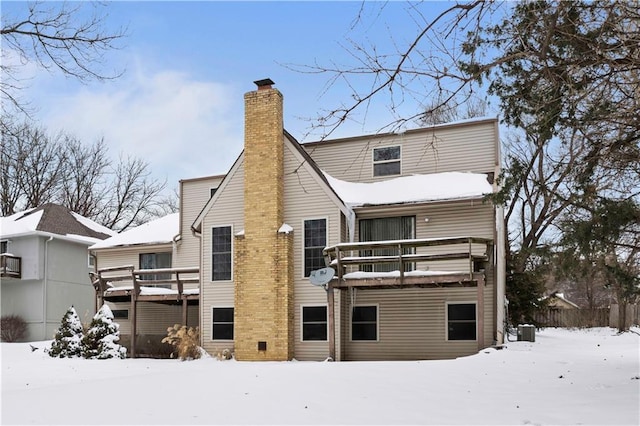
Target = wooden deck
(348,259)
(145,290)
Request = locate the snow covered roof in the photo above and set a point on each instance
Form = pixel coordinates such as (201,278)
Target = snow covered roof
(52,219)
(158,231)
(412,189)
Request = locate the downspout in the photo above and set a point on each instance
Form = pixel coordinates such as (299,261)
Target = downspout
(44,291)
(198,235)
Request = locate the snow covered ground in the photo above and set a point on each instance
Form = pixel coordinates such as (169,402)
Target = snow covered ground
(565,377)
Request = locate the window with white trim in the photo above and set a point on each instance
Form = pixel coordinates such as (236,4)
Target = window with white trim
(222,324)
(364,323)
(315,240)
(221,253)
(461,321)
(386,161)
(314,323)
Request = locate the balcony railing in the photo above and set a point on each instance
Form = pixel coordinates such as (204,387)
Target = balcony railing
(10,266)
(410,258)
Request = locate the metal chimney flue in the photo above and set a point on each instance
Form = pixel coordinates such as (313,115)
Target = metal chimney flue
(264,84)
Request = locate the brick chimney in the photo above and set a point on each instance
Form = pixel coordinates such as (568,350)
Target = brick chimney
(263,266)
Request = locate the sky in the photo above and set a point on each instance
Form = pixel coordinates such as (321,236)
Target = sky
(578,376)
(187,65)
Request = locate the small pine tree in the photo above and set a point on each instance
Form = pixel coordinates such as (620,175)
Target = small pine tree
(67,341)
(101,339)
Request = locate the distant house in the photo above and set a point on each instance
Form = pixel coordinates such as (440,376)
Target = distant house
(402,220)
(558,300)
(45,266)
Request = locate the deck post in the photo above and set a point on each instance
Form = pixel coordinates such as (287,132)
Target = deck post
(332,321)
(480,313)
(134,313)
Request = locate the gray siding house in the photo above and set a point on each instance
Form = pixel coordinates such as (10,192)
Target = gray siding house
(45,267)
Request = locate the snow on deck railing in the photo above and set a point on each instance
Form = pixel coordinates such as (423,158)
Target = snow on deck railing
(184,279)
(403,252)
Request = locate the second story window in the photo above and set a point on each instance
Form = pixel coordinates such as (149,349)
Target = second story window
(3,246)
(315,240)
(221,253)
(155,261)
(386,161)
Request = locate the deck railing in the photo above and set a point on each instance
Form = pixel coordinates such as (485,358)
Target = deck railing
(10,266)
(408,252)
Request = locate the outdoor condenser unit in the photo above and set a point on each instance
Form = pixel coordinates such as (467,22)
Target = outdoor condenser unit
(527,333)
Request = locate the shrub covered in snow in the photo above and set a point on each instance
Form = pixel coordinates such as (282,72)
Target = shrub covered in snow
(12,328)
(101,338)
(67,342)
(185,340)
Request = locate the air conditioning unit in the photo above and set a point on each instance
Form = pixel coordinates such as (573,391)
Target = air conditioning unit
(527,333)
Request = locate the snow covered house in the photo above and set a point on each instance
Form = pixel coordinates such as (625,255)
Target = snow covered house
(401,218)
(45,266)
(146,302)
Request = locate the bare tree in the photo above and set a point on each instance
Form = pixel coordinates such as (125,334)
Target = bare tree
(85,178)
(566,75)
(133,196)
(38,168)
(56,37)
(32,167)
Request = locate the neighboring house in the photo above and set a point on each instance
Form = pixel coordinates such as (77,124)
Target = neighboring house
(558,301)
(419,253)
(158,244)
(45,267)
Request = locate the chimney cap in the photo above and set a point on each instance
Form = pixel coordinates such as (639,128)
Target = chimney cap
(264,84)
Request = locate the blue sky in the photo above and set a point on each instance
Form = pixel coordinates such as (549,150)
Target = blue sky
(179,104)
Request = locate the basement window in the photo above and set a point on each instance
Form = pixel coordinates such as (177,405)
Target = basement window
(461,321)
(314,323)
(364,323)
(222,324)
(386,161)
(120,314)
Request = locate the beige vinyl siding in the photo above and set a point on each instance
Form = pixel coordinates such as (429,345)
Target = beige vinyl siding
(304,199)
(154,318)
(412,324)
(194,194)
(228,210)
(468,147)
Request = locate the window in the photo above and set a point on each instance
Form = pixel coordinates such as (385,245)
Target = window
(120,313)
(314,323)
(221,253)
(364,323)
(315,240)
(92,261)
(386,161)
(461,321)
(155,261)
(222,324)
(387,228)
(4,246)
(212,191)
